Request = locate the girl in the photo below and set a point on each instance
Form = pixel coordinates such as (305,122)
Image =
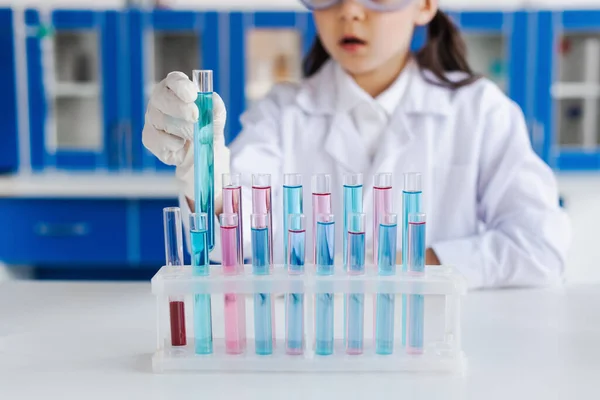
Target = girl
(369,105)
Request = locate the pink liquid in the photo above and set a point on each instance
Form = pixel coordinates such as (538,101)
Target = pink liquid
(232,204)
(261,204)
(382,204)
(321,203)
(235,306)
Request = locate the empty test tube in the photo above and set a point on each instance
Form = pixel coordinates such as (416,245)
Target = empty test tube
(321,204)
(324,305)
(261,265)
(294,302)
(416,266)
(200,267)
(235,305)
(232,204)
(204,179)
(385,302)
(355,302)
(174,257)
(411,203)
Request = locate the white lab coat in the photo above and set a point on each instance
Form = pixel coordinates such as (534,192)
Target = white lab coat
(492,205)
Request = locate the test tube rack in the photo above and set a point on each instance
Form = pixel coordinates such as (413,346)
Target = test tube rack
(443,285)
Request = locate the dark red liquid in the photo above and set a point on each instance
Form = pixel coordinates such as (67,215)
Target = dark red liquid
(177,310)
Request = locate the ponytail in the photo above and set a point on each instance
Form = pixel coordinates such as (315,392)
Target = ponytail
(445,51)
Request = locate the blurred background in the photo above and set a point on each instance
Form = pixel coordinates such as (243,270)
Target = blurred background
(80,198)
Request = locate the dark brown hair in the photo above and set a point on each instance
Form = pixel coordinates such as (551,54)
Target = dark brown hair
(445,51)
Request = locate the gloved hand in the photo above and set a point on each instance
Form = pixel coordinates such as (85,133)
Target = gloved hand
(169,130)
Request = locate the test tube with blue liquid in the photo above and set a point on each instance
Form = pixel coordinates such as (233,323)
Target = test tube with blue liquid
(232,204)
(416,267)
(235,304)
(204,179)
(200,267)
(385,302)
(355,302)
(261,265)
(321,204)
(174,258)
(324,302)
(294,302)
(292,202)
(411,203)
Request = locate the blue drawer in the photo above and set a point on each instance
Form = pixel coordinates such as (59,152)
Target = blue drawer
(65,232)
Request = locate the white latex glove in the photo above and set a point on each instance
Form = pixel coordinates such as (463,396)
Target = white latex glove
(169,130)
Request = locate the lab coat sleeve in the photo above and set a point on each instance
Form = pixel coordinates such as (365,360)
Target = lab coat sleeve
(255,150)
(526,234)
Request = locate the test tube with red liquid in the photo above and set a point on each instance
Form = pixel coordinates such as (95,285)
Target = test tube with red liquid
(235,305)
(174,258)
(321,204)
(232,204)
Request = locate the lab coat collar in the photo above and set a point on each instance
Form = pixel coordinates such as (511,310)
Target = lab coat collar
(317,95)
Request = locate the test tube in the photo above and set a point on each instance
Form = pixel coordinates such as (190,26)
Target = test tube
(235,305)
(411,203)
(261,204)
(382,204)
(232,204)
(200,267)
(353,203)
(174,257)
(292,202)
(355,302)
(416,266)
(204,179)
(321,203)
(325,247)
(294,302)
(385,302)
(261,265)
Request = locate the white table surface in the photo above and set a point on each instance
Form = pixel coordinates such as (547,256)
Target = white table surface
(94,341)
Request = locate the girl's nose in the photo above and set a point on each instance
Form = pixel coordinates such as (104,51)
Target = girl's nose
(352,10)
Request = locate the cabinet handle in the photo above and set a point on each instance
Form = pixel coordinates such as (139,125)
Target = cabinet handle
(56,229)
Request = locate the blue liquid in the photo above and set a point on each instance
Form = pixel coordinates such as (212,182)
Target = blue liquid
(416,311)
(263,328)
(324,324)
(385,303)
(356,253)
(411,203)
(263,322)
(353,203)
(297,251)
(416,251)
(324,302)
(260,251)
(294,313)
(292,204)
(384,324)
(204,187)
(202,307)
(355,304)
(200,263)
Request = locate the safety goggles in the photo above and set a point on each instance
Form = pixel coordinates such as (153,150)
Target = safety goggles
(375,5)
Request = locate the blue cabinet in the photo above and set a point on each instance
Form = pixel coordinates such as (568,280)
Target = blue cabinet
(73,89)
(567,107)
(264,48)
(8,100)
(159,42)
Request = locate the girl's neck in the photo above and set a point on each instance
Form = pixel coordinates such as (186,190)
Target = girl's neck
(378,80)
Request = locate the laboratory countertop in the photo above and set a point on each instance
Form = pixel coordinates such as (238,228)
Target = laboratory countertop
(95,340)
(89,185)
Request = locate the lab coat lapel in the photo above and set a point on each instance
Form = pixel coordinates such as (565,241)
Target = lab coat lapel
(345,145)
